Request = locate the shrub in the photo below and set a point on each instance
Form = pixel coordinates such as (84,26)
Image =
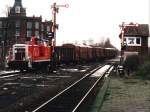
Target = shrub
(132,62)
(144,70)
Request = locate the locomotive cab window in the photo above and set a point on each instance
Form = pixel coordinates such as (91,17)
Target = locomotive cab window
(19,53)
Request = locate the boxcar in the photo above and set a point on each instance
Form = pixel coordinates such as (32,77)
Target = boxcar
(110,53)
(76,51)
(64,54)
(98,53)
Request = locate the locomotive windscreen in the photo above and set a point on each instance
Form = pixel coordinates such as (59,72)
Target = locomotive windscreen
(19,53)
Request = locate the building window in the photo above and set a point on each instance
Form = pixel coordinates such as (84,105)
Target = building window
(17,9)
(0,24)
(36,25)
(29,33)
(17,32)
(130,40)
(17,24)
(36,33)
(4,25)
(1,33)
(133,41)
(42,27)
(48,28)
(29,25)
(138,41)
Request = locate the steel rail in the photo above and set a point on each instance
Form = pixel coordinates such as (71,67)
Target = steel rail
(90,90)
(63,91)
(7,75)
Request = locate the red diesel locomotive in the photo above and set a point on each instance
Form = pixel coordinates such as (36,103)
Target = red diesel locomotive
(34,54)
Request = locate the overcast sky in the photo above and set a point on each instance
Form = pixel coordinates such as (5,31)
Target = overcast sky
(85,19)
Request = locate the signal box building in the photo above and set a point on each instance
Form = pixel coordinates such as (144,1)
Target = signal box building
(136,39)
(18,28)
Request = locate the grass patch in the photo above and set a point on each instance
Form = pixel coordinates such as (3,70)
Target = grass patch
(144,70)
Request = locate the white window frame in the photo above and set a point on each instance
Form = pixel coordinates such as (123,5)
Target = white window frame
(36,33)
(17,24)
(29,33)
(29,25)
(48,28)
(37,25)
(128,40)
(17,32)
(17,9)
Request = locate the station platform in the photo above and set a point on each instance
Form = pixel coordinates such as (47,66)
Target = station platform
(124,95)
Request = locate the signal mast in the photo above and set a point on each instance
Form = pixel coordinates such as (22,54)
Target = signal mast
(123,26)
(55,10)
(52,34)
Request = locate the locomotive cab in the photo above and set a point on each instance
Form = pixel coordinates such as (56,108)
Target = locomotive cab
(17,57)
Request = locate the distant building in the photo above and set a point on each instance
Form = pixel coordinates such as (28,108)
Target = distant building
(18,28)
(136,39)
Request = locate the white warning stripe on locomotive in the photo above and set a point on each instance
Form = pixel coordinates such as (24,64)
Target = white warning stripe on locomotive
(41,60)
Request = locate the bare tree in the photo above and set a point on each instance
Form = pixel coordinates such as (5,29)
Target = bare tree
(91,41)
(84,42)
(76,42)
(108,44)
(100,42)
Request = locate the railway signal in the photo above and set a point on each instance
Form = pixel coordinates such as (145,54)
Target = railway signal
(123,26)
(55,10)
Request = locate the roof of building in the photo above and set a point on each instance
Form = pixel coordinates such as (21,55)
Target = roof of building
(141,30)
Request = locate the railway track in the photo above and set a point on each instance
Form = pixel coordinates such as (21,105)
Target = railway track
(73,97)
(22,90)
(7,74)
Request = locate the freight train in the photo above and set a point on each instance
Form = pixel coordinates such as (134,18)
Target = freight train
(39,54)
(68,53)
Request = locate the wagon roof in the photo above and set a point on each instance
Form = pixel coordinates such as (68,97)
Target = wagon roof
(75,45)
(111,48)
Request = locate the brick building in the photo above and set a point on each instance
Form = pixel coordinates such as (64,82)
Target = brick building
(18,28)
(136,39)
